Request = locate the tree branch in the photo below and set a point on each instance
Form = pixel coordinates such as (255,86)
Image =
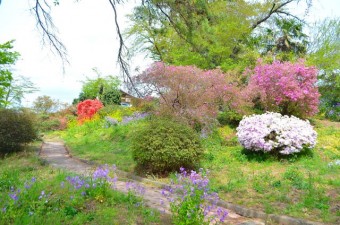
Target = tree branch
(41,11)
(273,10)
(123,52)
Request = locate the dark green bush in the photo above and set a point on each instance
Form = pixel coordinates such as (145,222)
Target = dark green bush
(16,128)
(111,97)
(229,118)
(163,146)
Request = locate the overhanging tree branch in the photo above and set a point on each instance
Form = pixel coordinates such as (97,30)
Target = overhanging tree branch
(41,11)
(123,52)
(275,9)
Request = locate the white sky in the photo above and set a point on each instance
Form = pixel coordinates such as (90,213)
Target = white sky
(87,29)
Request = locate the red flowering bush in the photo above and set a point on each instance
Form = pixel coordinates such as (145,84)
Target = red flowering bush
(86,109)
(190,93)
(285,87)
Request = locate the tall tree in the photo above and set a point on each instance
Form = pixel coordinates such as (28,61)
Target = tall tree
(18,87)
(283,38)
(45,104)
(105,89)
(324,52)
(209,34)
(197,26)
(8,57)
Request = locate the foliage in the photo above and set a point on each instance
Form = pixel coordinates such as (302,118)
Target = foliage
(87,109)
(45,104)
(333,113)
(46,196)
(191,200)
(104,88)
(229,117)
(207,34)
(16,90)
(16,129)
(163,146)
(116,111)
(287,88)
(284,39)
(255,180)
(272,132)
(192,94)
(8,57)
(324,53)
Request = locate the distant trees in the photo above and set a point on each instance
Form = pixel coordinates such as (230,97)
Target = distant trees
(324,52)
(106,89)
(45,104)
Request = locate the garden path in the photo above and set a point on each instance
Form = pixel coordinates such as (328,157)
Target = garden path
(55,154)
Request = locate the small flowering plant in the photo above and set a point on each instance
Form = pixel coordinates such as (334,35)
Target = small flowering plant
(191,201)
(271,132)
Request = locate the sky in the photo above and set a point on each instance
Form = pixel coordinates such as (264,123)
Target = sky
(88,31)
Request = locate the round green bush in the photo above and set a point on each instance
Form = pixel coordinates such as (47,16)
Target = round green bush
(16,128)
(163,146)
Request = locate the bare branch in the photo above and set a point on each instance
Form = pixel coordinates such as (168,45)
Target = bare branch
(275,9)
(41,11)
(123,52)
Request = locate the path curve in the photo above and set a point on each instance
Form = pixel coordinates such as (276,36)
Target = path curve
(55,154)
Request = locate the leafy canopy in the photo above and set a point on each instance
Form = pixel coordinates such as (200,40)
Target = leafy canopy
(8,57)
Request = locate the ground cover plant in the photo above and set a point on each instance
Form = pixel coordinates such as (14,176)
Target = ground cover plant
(33,193)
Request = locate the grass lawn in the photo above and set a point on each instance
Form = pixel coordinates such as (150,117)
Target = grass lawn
(303,186)
(33,193)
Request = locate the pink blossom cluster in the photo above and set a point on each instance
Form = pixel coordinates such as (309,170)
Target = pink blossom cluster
(189,92)
(285,87)
(274,132)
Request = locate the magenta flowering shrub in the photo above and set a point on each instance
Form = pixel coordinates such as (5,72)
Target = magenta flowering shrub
(192,201)
(272,132)
(285,87)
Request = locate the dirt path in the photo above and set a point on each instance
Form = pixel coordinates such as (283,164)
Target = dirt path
(56,155)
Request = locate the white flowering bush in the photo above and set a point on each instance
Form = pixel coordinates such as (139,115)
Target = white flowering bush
(273,132)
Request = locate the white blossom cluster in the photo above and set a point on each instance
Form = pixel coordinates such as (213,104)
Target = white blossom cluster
(274,132)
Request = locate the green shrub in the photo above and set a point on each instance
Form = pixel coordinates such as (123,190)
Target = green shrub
(16,128)
(229,118)
(50,124)
(164,146)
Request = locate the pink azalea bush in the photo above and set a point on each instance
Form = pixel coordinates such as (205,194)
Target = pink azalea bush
(273,132)
(285,87)
(191,93)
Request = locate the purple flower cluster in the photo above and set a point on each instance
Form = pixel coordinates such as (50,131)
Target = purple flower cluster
(135,188)
(272,131)
(102,175)
(106,173)
(134,117)
(190,195)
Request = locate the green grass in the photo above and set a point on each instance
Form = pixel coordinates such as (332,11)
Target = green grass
(92,141)
(61,204)
(302,186)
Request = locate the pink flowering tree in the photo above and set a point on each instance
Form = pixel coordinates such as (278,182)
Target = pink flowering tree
(190,93)
(285,87)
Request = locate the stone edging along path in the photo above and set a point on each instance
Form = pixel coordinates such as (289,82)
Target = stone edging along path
(58,155)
